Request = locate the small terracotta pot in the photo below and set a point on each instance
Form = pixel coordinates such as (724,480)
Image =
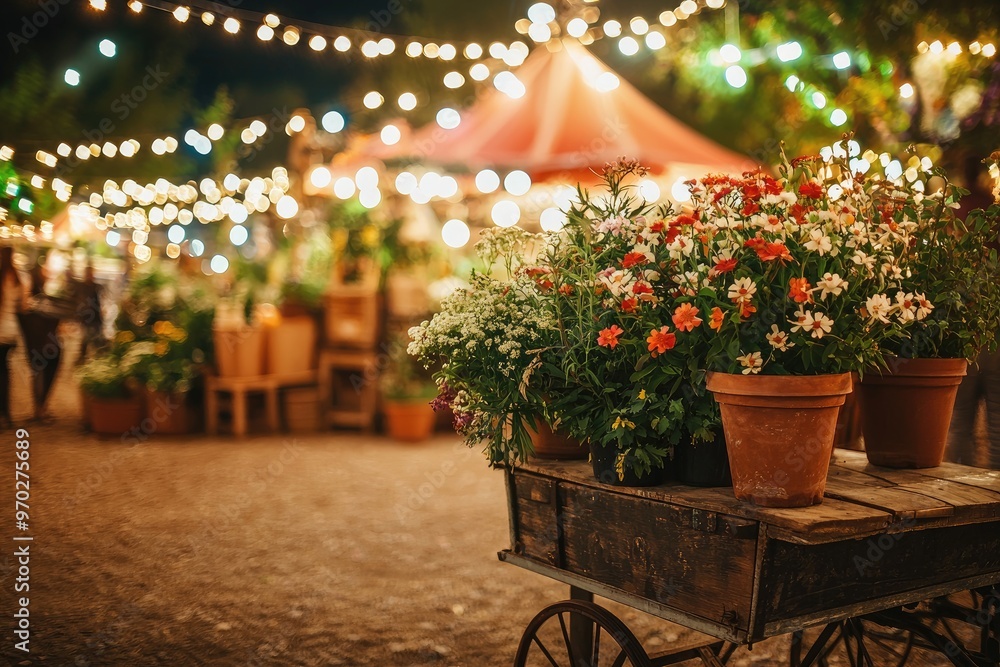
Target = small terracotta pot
(779,433)
(409,421)
(115,416)
(549,445)
(906,411)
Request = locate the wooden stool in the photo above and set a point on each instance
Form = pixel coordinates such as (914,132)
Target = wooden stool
(341,373)
(240,387)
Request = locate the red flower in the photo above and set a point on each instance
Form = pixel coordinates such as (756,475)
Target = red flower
(725,266)
(633,259)
(755,242)
(749,209)
(686,318)
(641,288)
(661,340)
(684,219)
(770,252)
(657,227)
(798,289)
(609,337)
(565,289)
(716,318)
(811,189)
(798,212)
(629,305)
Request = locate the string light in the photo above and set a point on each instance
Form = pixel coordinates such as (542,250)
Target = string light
(99,5)
(342,44)
(407,101)
(231,25)
(135,6)
(208,18)
(182,13)
(265,33)
(317,42)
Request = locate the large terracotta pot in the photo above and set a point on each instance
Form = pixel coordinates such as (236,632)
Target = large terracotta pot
(779,433)
(291,346)
(906,410)
(171,413)
(604,460)
(239,351)
(409,421)
(549,445)
(115,416)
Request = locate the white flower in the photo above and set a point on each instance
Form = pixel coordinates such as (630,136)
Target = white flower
(820,325)
(892,271)
(819,242)
(831,284)
(803,320)
(752,362)
(879,307)
(924,306)
(862,259)
(778,339)
(742,290)
(613,225)
(906,307)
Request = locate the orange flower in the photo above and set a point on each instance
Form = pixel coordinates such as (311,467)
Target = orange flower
(747,309)
(724,266)
(633,259)
(716,318)
(609,337)
(799,290)
(661,340)
(686,317)
(772,251)
(565,289)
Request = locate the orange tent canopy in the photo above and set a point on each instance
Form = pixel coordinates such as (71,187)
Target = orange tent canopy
(575,115)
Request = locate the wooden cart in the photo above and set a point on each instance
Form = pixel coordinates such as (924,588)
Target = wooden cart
(871,566)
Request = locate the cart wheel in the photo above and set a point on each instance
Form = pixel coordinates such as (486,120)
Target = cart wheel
(598,639)
(855,642)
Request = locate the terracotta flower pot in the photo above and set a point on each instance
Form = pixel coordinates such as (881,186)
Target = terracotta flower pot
(906,411)
(409,421)
(171,413)
(115,416)
(549,445)
(779,433)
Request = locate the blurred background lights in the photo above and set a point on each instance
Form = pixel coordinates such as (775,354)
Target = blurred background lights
(370,197)
(175,234)
(113,237)
(406,183)
(219,263)
(541,12)
(342,43)
(539,32)
(407,101)
(107,48)
(453,80)
(606,82)
(842,60)
(838,117)
(215,132)
(333,122)
(906,91)
(577,27)
(552,219)
(655,41)
(505,213)
(286,207)
(789,51)
(238,235)
(455,233)
(390,135)
(72,77)
(819,100)
(517,183)
(366,178)
(197,248)
(628,46)
(612,28)
(730,53)
(649,190)
(238,214)
(373,100)
(487,181)
(320,177)
(344,187)
(736,76)
(680,190)
(448,118)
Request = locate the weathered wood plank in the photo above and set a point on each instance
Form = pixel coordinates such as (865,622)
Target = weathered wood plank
(809,580)
(640,547)
(833,519)
(858,487)
(537,522)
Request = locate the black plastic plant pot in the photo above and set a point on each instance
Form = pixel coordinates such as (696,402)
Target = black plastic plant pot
(603,459)
(703,463)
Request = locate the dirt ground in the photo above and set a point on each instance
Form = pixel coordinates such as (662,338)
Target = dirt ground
(326,549)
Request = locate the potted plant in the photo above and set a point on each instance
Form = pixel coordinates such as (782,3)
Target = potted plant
(407,392)
(497,353)
(629,354)
(943,295)
(169,376)
(110,401)
(780,269)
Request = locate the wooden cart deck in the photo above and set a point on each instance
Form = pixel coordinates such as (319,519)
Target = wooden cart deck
(882,538)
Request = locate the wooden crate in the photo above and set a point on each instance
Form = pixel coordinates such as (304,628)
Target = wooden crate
(881,538)
(352,317)
(302,410)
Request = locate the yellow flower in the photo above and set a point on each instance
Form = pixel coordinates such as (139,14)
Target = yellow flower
(161,348)
(642,395)
(623,423)
(124,337)
(370,236)
(178,335)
